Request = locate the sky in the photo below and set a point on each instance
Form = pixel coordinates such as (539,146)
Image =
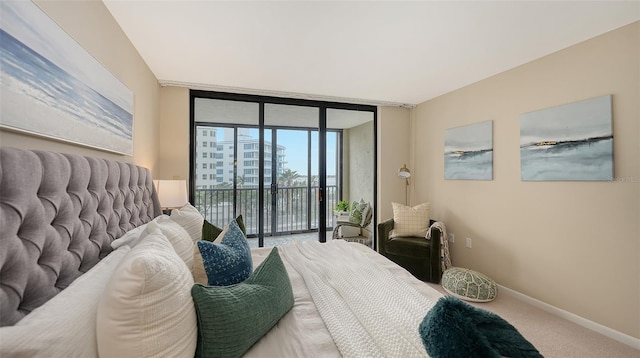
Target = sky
(296,154)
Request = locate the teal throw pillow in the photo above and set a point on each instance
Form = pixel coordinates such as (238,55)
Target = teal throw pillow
(232,318)
(455,329)
(229,261)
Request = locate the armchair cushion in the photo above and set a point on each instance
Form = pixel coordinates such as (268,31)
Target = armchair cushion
(409,246)
(410,221)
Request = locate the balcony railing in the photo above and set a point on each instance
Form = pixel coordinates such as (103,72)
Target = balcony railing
(296,208)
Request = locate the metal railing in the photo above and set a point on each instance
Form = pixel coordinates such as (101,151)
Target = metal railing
(295,210)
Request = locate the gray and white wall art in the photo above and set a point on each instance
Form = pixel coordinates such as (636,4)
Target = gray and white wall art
(53,87)
(568,142)
(468,152)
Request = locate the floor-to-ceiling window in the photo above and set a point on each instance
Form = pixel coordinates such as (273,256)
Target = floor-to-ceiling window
(277,162)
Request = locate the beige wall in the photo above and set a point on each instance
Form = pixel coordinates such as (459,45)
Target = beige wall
(394,131)
(92,26)
(174,133)
(574,245)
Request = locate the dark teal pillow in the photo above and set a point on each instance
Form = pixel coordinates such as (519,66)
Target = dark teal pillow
(210,232)
(229,261)
(232,318)
(455,329)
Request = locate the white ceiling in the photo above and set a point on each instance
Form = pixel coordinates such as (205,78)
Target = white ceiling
(374,52)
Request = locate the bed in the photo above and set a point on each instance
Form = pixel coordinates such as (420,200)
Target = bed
(90,267)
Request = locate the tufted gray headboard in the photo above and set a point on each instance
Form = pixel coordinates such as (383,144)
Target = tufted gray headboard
(59,214)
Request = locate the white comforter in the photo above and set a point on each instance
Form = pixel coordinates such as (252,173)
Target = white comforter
(349,301)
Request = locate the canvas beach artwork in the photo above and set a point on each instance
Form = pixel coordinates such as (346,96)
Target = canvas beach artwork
(568,142)
(468,152)
(53,87)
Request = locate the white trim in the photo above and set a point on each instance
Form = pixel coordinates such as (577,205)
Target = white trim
(597,327)
(242,90)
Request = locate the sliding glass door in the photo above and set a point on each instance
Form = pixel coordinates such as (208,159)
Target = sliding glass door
(271,160)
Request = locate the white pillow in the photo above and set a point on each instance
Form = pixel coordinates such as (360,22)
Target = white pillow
(130,238)
(147,309)
(410,221)
(190,219)
(65,326)
(177,236)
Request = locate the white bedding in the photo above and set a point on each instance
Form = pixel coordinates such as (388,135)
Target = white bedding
(303,332)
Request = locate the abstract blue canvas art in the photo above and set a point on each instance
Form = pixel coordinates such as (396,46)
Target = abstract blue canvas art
(468,152)
(568,142)
(53,87)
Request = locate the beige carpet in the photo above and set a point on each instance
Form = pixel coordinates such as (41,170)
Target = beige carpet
(554,336)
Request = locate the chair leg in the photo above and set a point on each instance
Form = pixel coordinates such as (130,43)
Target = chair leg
(335,232)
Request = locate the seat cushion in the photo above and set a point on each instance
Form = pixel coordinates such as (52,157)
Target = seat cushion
(469,285)
(409,246)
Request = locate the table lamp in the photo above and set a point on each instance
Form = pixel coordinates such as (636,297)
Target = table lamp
(172,194)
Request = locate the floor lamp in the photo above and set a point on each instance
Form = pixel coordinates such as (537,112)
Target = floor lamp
(405,174)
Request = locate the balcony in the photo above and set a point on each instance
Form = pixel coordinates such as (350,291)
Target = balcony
(296,208)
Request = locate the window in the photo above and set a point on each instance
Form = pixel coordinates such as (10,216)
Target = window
(204,144)
(204,155)
(204,133)
(204,165)
(204,176)
(292,133)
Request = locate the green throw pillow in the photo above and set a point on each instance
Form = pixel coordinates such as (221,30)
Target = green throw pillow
(232,318)
(210,232)
(358,212)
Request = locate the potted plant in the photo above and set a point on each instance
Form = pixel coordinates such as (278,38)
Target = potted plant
(342,207)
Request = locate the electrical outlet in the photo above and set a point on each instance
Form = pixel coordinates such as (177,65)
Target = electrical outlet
(451,237)
(469,242)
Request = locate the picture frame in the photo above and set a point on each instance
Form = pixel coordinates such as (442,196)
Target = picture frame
(572,142)
(468,152)
(52,87)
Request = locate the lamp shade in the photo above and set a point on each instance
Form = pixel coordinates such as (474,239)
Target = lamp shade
(404,172)
(171,193)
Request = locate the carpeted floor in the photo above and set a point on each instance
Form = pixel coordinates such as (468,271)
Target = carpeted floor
(554,336)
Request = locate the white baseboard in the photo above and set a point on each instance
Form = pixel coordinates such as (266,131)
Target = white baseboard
(606,331)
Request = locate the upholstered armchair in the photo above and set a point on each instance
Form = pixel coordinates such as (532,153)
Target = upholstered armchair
(417,255)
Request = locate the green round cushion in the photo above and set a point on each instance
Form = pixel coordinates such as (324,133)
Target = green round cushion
(469,285)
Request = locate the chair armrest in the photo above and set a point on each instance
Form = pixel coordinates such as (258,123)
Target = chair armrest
(436,268)
(384,230)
